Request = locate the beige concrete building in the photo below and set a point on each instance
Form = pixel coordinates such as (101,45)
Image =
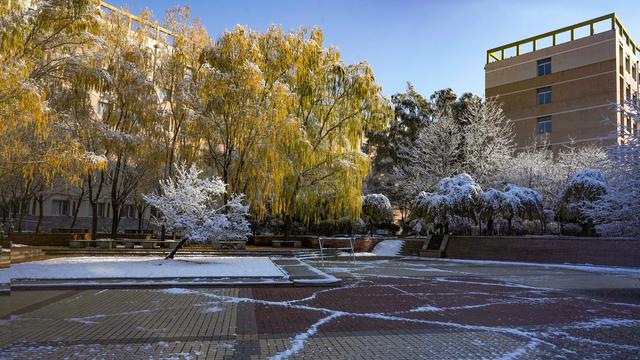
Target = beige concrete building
(561,87)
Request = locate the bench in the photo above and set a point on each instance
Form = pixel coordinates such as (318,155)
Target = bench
(232,244)
(128,243)
(278,243)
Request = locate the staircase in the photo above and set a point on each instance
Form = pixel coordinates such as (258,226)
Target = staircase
(22,253)
(411,247)
(435,246)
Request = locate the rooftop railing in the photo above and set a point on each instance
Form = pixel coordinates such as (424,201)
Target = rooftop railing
(610,21)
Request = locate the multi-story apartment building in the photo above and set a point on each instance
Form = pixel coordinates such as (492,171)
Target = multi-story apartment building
(57,207)
(562,87)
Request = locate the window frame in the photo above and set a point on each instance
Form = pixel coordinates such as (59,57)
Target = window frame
(544,93)
(544,66)
(544,125)
(60,207)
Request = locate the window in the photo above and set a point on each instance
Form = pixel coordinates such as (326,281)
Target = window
(60,207)
(163,95)
(544,125)
(620,55)
(101,209)
(102,108)
(627,64)
(544,95)
(544,67)
(129,211)
(627,93)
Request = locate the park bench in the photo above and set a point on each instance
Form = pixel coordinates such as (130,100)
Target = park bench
(279,242)
(232,244)
(128,243)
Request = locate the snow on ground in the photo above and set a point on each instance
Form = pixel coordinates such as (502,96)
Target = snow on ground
(579,267)
(4,276)
(388,247)
(146,267)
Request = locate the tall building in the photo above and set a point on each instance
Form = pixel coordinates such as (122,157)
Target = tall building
(561,87)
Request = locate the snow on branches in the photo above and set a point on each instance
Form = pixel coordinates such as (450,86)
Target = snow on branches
(461,197)
(376,209)
(615,213)
(193,205)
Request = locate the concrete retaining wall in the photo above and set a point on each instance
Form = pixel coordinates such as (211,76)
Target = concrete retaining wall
(544,249)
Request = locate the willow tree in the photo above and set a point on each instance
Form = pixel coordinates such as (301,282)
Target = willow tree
(243,111)
(131,116)
(39,42)
(178,77)
(332,106)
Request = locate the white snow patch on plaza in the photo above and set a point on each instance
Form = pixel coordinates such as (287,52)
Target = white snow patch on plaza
(578,267)
(388,247)
(146,267)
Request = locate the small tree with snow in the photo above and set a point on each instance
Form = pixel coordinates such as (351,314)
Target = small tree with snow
(457,195)
(194,206)
(616,212)
(583,187)
(376,209)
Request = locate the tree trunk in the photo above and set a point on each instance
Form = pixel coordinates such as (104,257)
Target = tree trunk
(175,249)
(140,214)
(163,232)
(94,220)
(40,213)
(77,208)
(287,223)
(115,220)
(370,228)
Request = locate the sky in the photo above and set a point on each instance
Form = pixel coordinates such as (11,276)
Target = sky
(432,44)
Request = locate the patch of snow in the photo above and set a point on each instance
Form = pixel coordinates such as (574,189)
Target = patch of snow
(298,342)
(579,267)
(146,267)
(388,247)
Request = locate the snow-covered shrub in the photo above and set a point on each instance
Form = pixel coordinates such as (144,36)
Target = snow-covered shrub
(376,209)
(583,187)
(458,195)
(194,206)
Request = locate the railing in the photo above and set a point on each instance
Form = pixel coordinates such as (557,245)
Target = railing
(498,53)
(133,18)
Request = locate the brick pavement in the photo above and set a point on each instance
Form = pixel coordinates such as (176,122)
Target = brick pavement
(397,309)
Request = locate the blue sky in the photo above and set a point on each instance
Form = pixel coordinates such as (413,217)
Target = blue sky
(433,44)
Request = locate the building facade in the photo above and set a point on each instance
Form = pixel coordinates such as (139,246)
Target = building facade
(562,87)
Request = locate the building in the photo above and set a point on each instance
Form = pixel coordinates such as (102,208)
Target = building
(561,87)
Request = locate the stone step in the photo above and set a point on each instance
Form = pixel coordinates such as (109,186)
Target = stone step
(411,247)
(20,253)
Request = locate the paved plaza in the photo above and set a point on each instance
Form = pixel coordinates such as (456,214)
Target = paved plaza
(385,309)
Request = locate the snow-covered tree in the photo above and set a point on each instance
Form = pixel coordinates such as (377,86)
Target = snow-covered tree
(376,209)
(583,187)
(194,206)
(435,154)
(455,196)
(488,142)
(616,212)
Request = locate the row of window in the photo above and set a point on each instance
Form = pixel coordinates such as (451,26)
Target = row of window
(63,208)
